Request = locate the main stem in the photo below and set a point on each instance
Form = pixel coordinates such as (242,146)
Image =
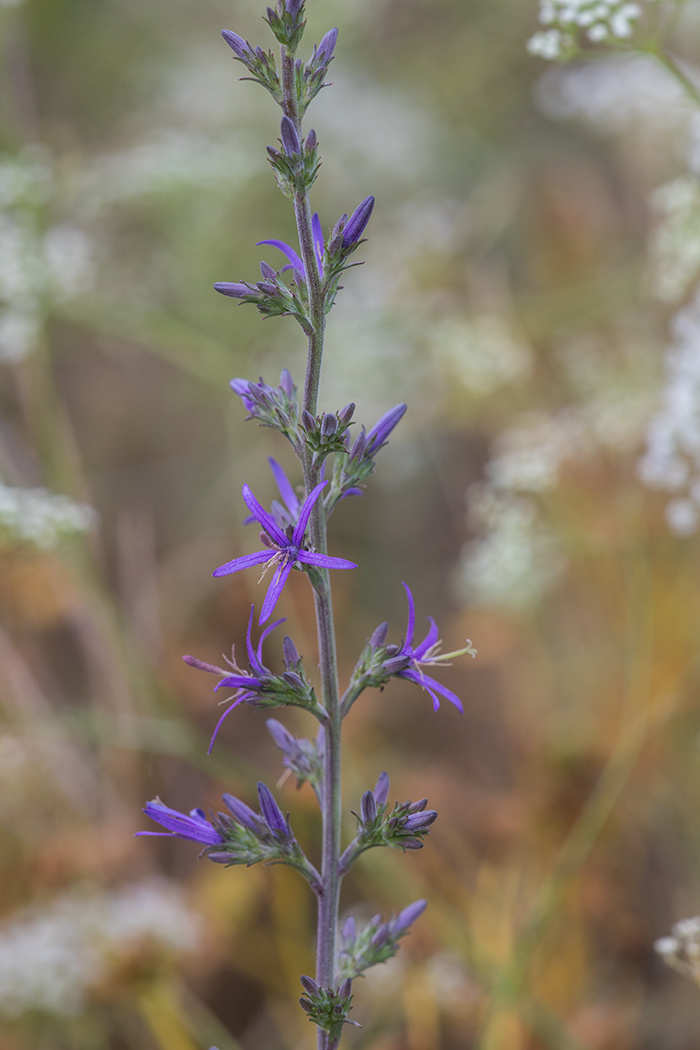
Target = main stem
(328,664)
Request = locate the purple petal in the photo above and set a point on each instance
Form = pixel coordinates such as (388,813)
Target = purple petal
(238,45)
(381,791)
(305,514)
(249,642)
(245,562)
(243,814)
(281,736)
(275,589)
(383,428)
(194,828)
(285,487)
(226,712)
(273,815)
(318,237)
(411,625)
(289,136)
(327,46)
(288,251)
(352,492)
(325,561)
(432,687)
(429,640)
(239,681)
(266,520)
(407,917)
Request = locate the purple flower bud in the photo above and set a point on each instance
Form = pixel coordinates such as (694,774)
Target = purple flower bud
(383,427)
(379,636)
(396,664)
(293,679)
(335,244)
(345,989)
(268,288)
(273,154)
(221,858)
(308,421)
(358,448)
(329,425)
(273,815)
(240,47)
(311,141)
(407,917)
(236,291)
(349,930)
(306,1006)
(289,650)
(340,224)
(357,222)
(324,51)
(290,139)
(347,413)
(281,736)
(293,7)
(381,791)
(412,844)
(310,986)
(418,807)
(368,808)
(267,271)
(286,382)
(381,936)
(418,821)
(243,814)
(271,15)
(202,666)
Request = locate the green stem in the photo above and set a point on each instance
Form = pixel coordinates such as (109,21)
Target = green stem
(331,808)
(671,64)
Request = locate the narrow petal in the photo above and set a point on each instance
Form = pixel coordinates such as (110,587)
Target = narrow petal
(249,640)
(275,589)
(242,563)
(195,828)
(266,520)
(318,240)
(431,686)
(221,720)
(325,561)
(288,251)
(305,514)
(239,681)
(429,640)
(285,488)
(411,625)
(262,638)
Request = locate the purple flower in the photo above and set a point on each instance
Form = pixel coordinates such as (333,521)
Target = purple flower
(355,226)
(295,261)
(288,549)
(240,47)
(425,654)
(195,826)
(290,138)
(406,918)
(381,430)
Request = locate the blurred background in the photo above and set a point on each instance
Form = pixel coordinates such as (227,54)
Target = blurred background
(529,290)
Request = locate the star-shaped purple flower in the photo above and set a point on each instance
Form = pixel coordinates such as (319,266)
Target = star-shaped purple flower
(288,547)
(295,262)
(424,654)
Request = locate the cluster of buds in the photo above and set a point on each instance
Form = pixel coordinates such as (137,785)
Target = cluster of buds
(272,296)
(378,662)
(296,164)
(309,78)
(274,407)
(681,951)
(259,63)
(376,942)
(302,758)
(253,837)
(326,433)
(287,23)
(356,464)
(403,828)
(328,1007)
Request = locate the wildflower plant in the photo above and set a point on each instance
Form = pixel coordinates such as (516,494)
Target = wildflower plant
(294,537)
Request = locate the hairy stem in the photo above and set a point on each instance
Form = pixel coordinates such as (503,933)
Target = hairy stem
(331,808)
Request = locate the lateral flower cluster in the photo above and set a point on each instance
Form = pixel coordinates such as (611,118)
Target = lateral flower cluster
(258,686)
(327,1007)
(302,758)
(376,942)
(402,828)
(248,839)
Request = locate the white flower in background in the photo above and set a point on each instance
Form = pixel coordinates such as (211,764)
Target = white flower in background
(69,265)
(528,457)
(671,461)
(601,21)
(482,353)
(42,517)
(675,243)
(681,951)
(51,956)
(515,560)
